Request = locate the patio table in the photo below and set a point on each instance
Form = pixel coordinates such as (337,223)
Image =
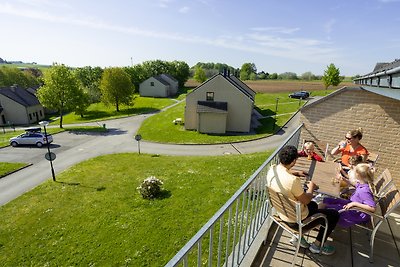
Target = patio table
(322,174)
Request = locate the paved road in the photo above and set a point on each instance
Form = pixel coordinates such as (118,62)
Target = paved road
(72,148)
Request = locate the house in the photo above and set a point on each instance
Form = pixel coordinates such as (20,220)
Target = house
(219,105)
(373,105)
(19,107)
(163,85)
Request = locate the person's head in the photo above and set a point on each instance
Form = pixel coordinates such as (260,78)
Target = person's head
(308,148)
(353,137)
(356,159)
(288,155)
(364,172)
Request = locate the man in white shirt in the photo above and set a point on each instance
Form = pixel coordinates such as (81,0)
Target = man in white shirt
(281,179)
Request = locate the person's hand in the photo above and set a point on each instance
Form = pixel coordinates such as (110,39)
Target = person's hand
(342,144)
(349,205)
(311,186)
(302,173)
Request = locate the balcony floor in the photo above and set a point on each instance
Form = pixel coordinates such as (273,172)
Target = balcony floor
(352,247)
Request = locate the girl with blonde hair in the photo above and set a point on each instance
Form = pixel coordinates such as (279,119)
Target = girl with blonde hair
(361,198)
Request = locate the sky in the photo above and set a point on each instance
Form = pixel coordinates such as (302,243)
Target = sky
(276,35)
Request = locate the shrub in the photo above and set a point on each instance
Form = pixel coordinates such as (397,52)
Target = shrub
(150,187)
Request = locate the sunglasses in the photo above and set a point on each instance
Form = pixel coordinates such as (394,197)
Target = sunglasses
(348,138)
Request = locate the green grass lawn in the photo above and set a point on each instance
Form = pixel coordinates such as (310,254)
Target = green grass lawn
(99,111)
(94,215)
(159,128)
(8,167)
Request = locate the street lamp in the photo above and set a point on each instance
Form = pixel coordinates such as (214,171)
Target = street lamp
(49,156)
(276,111)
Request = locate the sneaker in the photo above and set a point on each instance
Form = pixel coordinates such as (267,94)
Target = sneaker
(326,250)
(303,242)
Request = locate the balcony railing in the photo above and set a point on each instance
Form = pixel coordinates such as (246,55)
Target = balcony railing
(226,238)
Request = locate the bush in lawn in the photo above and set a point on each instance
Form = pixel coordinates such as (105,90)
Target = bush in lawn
(150,187)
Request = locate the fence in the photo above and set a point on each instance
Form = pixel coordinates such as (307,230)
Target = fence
(226,238)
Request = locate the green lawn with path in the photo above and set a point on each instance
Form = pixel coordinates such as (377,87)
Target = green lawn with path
(94,216)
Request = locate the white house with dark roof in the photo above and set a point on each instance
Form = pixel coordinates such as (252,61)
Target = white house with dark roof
(19,107)
(163,85)
(219,105)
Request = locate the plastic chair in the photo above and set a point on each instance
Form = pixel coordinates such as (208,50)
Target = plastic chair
(292,209)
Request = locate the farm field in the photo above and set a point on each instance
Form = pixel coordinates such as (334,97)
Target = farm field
(277,86)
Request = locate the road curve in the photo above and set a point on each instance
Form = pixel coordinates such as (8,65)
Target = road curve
(72,148)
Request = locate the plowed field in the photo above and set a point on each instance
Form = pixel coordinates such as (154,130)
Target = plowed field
(276,86)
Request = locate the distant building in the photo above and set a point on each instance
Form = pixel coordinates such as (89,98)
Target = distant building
(19,106)
(219,105)
(163,85)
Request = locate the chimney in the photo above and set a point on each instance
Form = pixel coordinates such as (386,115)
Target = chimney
(225,72)
(229,73)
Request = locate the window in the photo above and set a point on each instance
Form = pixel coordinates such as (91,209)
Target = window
(210,96)
(151,83)
(30,116)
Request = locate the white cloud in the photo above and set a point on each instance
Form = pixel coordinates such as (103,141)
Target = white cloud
(263,41)
(184,9)
(276,29)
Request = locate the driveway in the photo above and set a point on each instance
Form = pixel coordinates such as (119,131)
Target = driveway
(72,148)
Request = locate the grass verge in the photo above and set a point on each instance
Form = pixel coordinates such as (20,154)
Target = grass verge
(8,167)
(95,216)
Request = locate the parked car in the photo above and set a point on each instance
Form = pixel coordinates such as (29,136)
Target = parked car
(31,138)
(300,95)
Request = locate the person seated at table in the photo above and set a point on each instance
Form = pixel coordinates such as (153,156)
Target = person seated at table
(349,175)
(348,179)
(308,151)
(281,179)
(351,147)
(361,198)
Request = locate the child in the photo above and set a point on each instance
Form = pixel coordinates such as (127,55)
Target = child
(361,198)
(308,151)
(348,174)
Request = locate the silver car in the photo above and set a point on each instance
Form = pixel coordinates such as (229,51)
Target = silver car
(31,138)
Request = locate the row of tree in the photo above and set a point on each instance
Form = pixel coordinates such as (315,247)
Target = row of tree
(25,78)
(65,89)
(248,71)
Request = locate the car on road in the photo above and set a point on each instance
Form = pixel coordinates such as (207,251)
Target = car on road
(300,95)
(31,138)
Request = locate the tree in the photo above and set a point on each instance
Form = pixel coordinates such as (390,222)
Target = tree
(273,76)
(288,76)
(200,74)
(179,70)
(331,76)
(61,90)
(308,76)
(90,79)
(246,70)
(116,87)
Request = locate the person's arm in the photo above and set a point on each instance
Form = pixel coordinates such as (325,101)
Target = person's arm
(306,197)
(317,157)
(336,149)
(359,205)
(299,173)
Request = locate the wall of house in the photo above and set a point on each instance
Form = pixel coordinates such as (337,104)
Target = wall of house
(158,90)
(239,106)
(14,113)
(35,113)
(212,122)
(350,108)
(174,85)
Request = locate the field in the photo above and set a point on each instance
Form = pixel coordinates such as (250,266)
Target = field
(278,86)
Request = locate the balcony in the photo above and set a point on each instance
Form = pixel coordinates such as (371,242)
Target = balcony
(241,234)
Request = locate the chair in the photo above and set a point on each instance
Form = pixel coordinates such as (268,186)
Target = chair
(387,203)
(372,159)
(382,183)
(292,209)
